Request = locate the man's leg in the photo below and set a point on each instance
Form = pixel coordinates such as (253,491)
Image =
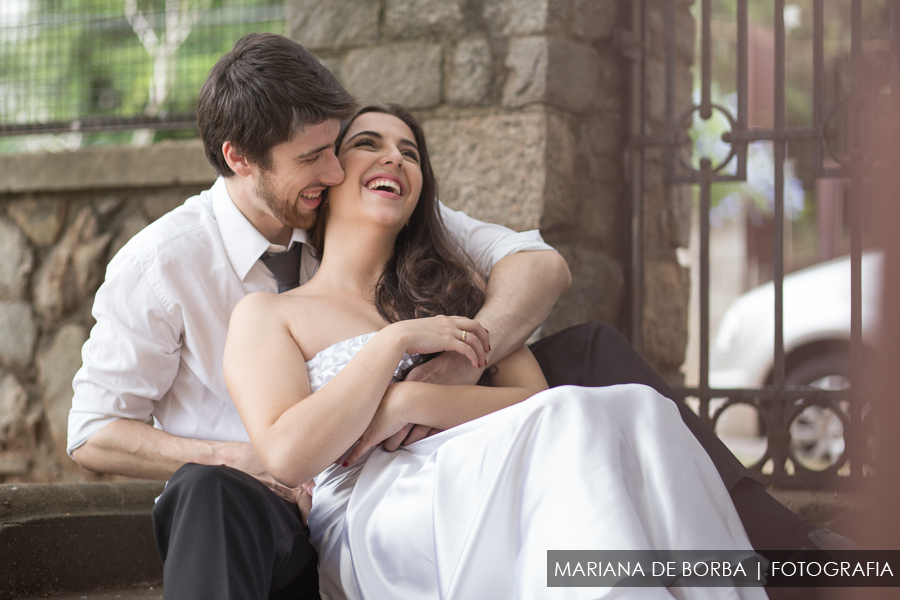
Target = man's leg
(596,354)
(223,534)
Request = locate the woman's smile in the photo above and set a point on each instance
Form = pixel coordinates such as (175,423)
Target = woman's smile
(389,186)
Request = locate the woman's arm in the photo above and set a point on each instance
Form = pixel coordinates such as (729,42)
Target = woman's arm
(517,377)
(296,433)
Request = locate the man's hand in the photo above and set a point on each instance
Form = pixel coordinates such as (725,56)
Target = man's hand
(449,368)
(302,497)
(241,456)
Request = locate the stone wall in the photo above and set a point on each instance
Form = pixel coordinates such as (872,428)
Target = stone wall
(62,217)
(526,105)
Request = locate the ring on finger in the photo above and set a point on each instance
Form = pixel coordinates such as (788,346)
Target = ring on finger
(465,335)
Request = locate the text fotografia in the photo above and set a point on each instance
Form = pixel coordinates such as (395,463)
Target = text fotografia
(729,568)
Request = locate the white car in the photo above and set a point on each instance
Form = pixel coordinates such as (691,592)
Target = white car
(816,344)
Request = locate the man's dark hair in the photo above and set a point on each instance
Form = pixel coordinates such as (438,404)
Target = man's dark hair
(260,94)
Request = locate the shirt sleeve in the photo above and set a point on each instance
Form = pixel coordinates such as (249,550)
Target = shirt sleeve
(132,355)
(487,243)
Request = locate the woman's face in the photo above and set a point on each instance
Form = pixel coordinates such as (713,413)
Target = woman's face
(383,178)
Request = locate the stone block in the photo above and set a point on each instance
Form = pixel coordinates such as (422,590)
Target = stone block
(57,365)
(41,220)
(492,167)
(556,72)
(157,204)
(597,290)
(404,19)
(127,230)
(14,462)
(666,294)
(101,168)
(13,404)
(655,89)
(72,269)
(685,36)
(318,24)
(602,135)
(406,73)
(333,64)
(594,19)
(18,333)
(527,60)
(561,204)
(17,260)
(601,213)
(680,208)
(471,73)
(107,205)
(527,17)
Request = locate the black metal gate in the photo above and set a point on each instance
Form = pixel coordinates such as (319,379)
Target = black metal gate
(839,134)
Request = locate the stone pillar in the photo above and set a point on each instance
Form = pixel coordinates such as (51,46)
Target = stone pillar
(522,103)
(667,208)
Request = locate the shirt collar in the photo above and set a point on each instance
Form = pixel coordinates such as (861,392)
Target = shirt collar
(243,243)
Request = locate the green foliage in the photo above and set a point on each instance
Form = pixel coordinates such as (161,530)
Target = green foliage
(68,60)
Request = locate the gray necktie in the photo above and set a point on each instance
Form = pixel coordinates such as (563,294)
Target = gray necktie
(285,266)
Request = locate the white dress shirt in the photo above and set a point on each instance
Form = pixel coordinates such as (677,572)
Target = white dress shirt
(162,315)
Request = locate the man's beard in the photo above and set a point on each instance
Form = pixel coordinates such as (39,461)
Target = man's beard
(286,210)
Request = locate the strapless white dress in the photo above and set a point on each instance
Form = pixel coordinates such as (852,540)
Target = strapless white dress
(470,513)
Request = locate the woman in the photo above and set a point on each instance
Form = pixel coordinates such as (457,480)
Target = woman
(469,512)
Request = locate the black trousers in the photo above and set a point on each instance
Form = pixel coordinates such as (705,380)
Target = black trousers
(222,534)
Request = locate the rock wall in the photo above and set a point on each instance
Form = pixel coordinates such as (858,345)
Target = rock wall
(62,218)
(526,105)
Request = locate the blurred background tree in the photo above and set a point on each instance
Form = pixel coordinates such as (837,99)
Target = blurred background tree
(123,71)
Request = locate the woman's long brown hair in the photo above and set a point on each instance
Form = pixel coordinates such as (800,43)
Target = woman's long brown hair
(427,274)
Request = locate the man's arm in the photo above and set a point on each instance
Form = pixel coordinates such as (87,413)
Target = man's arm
(135,449)
(130,361)
(520,293)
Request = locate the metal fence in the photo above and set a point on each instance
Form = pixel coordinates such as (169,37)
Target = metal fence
(103,65)
(842,126)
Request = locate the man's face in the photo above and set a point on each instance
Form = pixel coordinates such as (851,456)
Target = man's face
(302,168)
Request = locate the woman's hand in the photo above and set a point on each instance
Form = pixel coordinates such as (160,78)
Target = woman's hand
(443,334)
(388,420)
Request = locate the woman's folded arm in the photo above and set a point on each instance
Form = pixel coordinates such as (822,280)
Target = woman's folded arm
(514,379)
(296,433)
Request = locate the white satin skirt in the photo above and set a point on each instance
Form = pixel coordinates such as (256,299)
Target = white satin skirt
(471,512)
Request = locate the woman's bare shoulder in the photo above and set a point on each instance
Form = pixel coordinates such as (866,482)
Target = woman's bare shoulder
(274,314)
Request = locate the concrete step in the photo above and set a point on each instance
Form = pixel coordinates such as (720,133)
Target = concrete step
(61,537)
(56,539)
(142,592)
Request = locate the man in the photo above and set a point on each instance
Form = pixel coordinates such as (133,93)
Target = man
(268,115)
